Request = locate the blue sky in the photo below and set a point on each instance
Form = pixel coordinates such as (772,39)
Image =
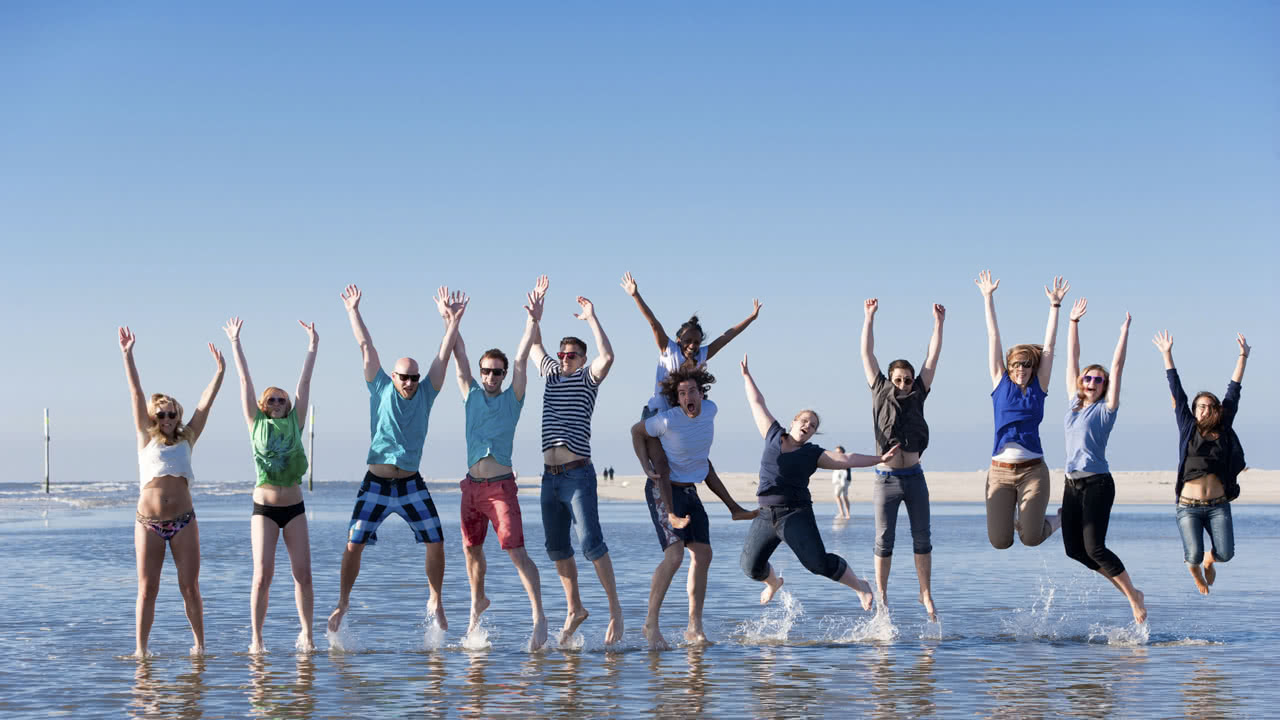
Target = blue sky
(167,167)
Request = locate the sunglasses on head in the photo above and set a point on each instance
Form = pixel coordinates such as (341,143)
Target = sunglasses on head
(162,415)
(493,371)
(411,377)
(568,355)
(277,401)
(1020,364)
(1092,379)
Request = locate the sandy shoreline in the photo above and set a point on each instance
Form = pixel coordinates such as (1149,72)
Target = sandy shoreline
(1154,487)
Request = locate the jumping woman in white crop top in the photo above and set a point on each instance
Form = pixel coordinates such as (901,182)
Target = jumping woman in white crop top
(165,514)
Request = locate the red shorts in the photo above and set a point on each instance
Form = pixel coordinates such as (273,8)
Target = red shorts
(486,502)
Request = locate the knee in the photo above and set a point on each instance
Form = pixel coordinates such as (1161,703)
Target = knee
(190,589)
(149,588)
(701,554)
(1001,542)
(302,577)
(261,581)
(1224,554)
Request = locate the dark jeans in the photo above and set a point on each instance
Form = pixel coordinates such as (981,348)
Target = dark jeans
(891,489)
(1086,511)
(799,528)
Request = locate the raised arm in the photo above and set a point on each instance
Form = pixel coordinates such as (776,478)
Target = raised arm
(935,347)
(519,367)
(1238,375)
(201,415)
(718,344)
(351,298)
(995,354)
(457,305)
(1164,343)
(659,335)
(141,421)
(302,395)
(1073,345)
(833,460)
(248,402)
(1117,364)
(536,352)
(870,367)
(1059,291)
(759,412)
(600,366)
(462,367)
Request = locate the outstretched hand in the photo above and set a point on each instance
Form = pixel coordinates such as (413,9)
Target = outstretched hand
(588,310)
(755,308)
(870,306)
(351,298)
(457,305)
(1244,346)
(1079,309)
(126,340)
(745,372)
(986,284)
(313,338)
(892,452)
(232,328)
(217,357)
(536,298)
(1163,341)
(629,284)
(1059,291)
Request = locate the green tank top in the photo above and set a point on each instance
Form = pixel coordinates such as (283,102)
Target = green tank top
(277,450)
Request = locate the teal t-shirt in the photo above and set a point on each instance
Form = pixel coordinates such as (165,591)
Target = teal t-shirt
(277,449)
(397,427)
(491,424)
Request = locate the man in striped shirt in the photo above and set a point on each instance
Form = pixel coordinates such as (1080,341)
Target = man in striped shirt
(569,478)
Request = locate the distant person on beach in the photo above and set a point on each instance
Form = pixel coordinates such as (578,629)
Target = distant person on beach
(786,507)
(275,433)
(399,406)
(568,478)
(685,430)
(489,489)
(1018,480)
(1210,460)
(165,512)
(685,349)
(841,479)
(897,411)
(1093,398)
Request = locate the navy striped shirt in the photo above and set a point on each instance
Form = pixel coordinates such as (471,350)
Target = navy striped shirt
(567,404)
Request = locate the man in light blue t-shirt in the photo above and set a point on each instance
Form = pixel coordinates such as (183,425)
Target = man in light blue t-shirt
(398,410)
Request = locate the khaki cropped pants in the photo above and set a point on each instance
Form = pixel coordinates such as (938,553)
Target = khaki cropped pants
(1027,490)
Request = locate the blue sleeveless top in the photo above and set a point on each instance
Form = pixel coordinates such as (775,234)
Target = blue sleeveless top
(1018,415)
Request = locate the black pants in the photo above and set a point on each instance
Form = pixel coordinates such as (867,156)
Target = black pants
(799,528)
(1086,511)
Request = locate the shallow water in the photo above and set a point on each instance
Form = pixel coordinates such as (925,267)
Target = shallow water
(1024,632)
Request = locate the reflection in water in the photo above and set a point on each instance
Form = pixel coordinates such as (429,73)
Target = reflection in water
(180,698)
(277,695)
(475,693)
(564,683)
(1208,693)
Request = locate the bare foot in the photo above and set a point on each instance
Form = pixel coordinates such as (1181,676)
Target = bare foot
(613,633)
(1199,580)
(1210,572)
(539,633)
(1139,608)
(695,636)
(257,648)
(335,619)
(438,611)
(571,623)
(140,652)
(769,589)
(304,643)
(926,599)
(653,634)
(477,609)
(197,650)
(864,593)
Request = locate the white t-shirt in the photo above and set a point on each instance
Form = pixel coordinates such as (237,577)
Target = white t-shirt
(686,440)
(669,360)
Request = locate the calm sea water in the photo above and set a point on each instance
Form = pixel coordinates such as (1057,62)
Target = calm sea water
(1024,633)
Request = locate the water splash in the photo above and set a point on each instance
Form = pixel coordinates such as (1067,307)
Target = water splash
(775,623)
(344,640)
(1041,619)
(433,636)
(302,645)
(877,628)
(577,642)
(1131,635)
(477,638)
(932,630)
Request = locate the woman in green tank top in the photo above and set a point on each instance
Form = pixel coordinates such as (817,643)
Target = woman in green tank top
(275,431)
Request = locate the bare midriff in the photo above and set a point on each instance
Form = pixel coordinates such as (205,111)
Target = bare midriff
(278,495)
(901,460)
(560,455)
(165,498)
(390,472)
(487,467)
(1205,487)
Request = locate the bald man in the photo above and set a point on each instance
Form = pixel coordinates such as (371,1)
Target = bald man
(399,406)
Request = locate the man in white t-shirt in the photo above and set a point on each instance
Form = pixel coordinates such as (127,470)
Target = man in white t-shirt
(685,430)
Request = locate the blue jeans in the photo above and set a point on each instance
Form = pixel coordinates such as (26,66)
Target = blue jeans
(890,490)
(1193,521)
(799,528)
(569,498)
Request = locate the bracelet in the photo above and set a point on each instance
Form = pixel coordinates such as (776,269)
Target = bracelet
(1076,320)
(1057,304)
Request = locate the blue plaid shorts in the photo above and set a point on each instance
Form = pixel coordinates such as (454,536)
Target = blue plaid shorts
(407,497)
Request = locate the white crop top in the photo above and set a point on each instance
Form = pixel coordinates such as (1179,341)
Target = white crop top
(157,460)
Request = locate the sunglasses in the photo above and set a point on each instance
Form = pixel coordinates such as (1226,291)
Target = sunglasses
(162,415)
(410,377)
(1092,379)
(1020,364)
(568,355)
(493,371)
(277,401)
(904,381)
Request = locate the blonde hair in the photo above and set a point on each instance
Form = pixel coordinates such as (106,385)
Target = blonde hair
(262,399)
(817,421)
(1032,352)
(1106,381)
(182,433)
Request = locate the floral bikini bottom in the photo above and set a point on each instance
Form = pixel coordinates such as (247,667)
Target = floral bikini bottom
(166,529)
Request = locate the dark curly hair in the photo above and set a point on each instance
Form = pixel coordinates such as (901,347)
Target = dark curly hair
(688,371)
(691,324)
